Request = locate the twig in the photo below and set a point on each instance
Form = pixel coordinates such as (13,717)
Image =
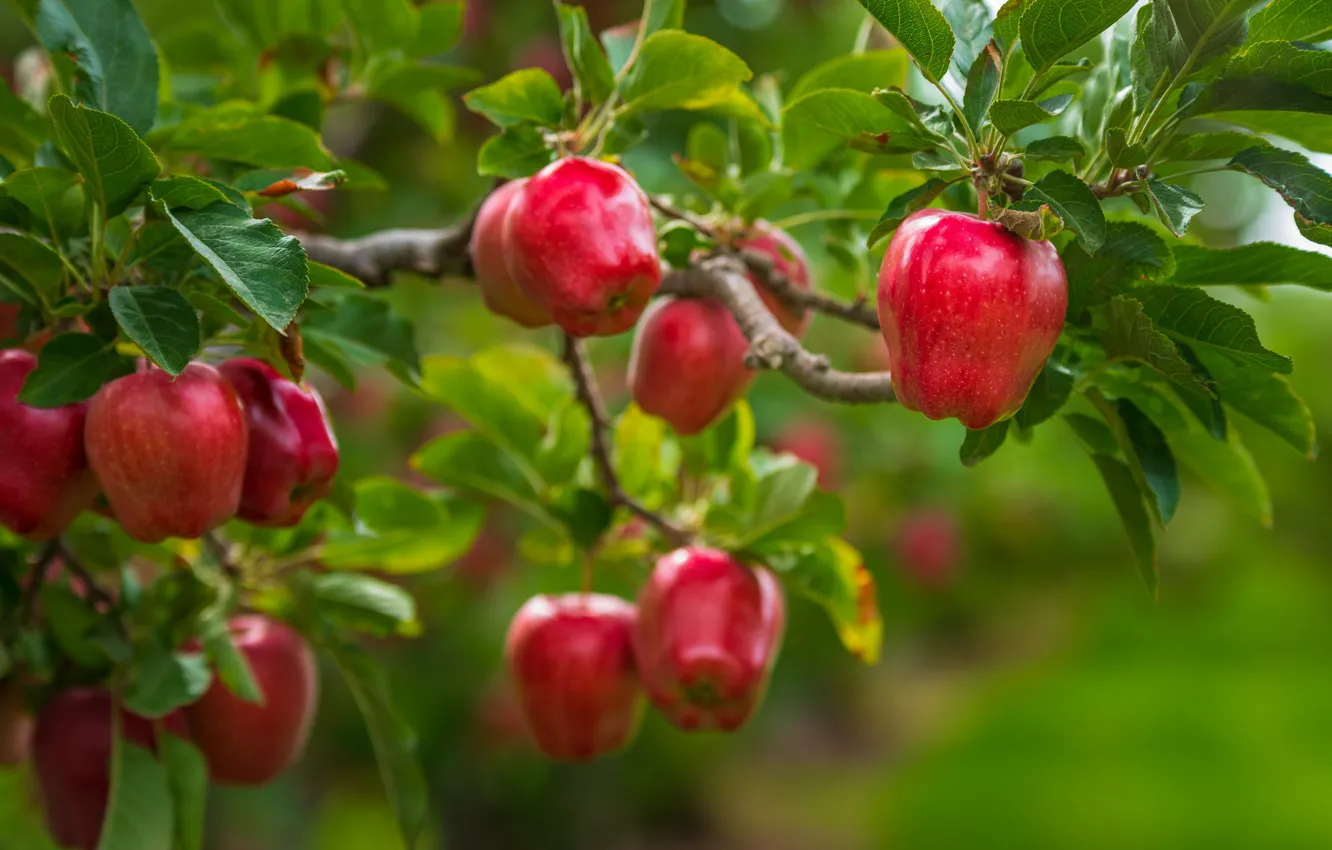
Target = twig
(77,570)
(374,258)
(764,270)
(221,554)
(687,217)
(34,589)
(590,398)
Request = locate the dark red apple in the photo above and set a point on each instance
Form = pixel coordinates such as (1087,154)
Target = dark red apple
(44,477)
(817,443)
(687,364)
(169,453)
(582,244)
(709,629)
(571,658)
(788,260)
(928,546)
(71,753)
(293,454)
(502,296)
(249,743)
(16,724)
(970,311)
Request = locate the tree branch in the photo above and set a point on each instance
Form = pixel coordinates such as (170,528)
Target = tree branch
(77,570)
(374,258)
(590,398)
(762,266)
(221,553)
(770,346)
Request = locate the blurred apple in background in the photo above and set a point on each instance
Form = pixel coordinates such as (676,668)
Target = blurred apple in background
(928,546)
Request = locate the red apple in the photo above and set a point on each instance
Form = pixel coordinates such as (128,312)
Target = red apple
(249,743)
(581,243)
(970,311)
(502,296)
(16,724)
(788,259)
(169,453)
(816,442)
(44,477)
(687,364)
(709,629)
(293,454)
(71,753)
(929,547)
(571,658)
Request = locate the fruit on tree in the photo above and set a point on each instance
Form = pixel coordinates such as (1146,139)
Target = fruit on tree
(816,442)
(169,453)
(928,546)
(581,243)
(292,454)
(788,259)
(970,311)
(571,659)
(44,477)
(687,364)
(249,743)
(500,293)
(71,753)
(709,630)
(16,724)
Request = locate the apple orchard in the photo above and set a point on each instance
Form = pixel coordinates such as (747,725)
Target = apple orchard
(1012,190)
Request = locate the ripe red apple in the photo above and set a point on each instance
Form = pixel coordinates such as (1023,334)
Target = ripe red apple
(581,243)
(44,477)
(788,259)
(71,752)
(817,443)
(16,724)
(502,296)
(249,743)
(970,312)
(169,453)
(293,454)
(709,629)
(928,546)
(687,364)
(571,658)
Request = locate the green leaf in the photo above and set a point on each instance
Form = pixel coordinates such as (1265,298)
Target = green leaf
(1131,253)
(265,268)
(678,70)
(862,72)
(187,780)
(1264,398)
(1094,435)
(138,810)
(181,190)
(113,160)
(160,321)
(231,665)
(1056,149)
(440,25)
(1154,458)
(1206,28)
(1120,152)
(1047,396)
(264,141)
(1292,20)
(982,84)
(1130,335)
(394,743)
(1255,264)
(1051,29)
(517,152)
(54,196)
(472,462)
(1007,21)
(593,77)
(567,441)
(365,603)
(70,369)
(328,277)
(1196,146)
(163,681)
(1307,188)
(920,28)
(1074,203)
(586,514)
(532,375)
(978,445)
(832,574)
(969,21)
(1129,505)
(73,623)
(904,205)
(401,530)
(115,59)
(485,403)
(1188,313)
(529,96)
(1175,206)
(1009,116)
(640,457)
(847,114)
(822,515)
(1303,128)
(365,330)
(27,260)
(781,489)
(417,90)
(22,130)
(381,25)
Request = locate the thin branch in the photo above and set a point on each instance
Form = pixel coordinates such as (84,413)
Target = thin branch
(590,398)
(221,554)
(40,568)
(687,217)
(77,570)
(374,258)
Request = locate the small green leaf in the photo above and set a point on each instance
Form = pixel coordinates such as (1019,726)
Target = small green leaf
(327,277)
(381,25)
(529,96)
(179,190)
(1121,153)
(1154,458)
(70,369)
(187,779)
(54,196)
(517,152)
(678,70)
(1175,206)
(1291,20)
(1255,264)
(1073,202)
(232,667)
(163,681)
(1132,253)
(849,115)
(1189,314)
(862,72)
(472,462)
(365,603)
(1196,146)
(440,25)
(1009,116)
(160,321)
(31,262)
(1046,397)
(832,574)
(1307,188)
(1056,149)
(366,330)
(485,402)
(113,160)
(402,530)
(1051,29)
(1094,435)
(1263,397)
(978,445)
(138,810)
(982,84)
(1128,503)
(640,456)
(593,77)
(1007,21)
(920,28)
(264,141)
(904,205)
(1130,335)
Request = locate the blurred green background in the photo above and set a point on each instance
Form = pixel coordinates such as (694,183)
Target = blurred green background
(1029,696)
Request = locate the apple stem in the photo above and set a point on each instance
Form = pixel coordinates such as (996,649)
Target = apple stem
(982,204)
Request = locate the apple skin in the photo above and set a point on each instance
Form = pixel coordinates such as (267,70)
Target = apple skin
(816,443)
(583,246)
(253,743)
(928,546)
(71,753)
(970,311)
(709,630)
(687,364)
(170,454)
(293,454)
(44,476)
(788,259)
(571,659)
(501,295)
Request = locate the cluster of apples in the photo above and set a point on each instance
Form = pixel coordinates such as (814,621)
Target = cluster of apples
(174,457)
(701,642)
